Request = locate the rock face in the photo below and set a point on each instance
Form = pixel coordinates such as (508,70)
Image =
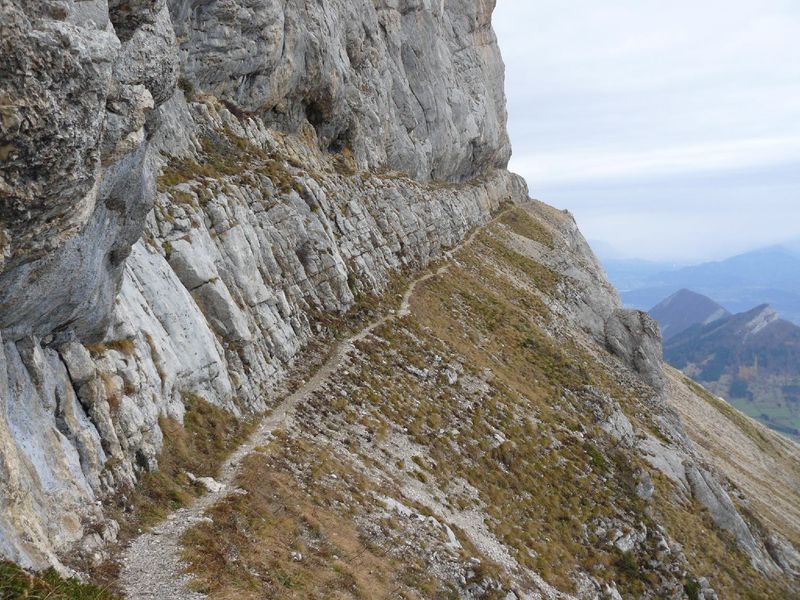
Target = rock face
(634,337)
(415,85)
(78,105)
(77,181)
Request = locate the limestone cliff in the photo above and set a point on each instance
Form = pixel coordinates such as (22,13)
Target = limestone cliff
(190,188)
(259,222)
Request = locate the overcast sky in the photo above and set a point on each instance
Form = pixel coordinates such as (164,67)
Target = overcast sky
(670,128)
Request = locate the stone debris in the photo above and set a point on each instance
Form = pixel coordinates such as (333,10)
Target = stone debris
(451,375)
(211,485)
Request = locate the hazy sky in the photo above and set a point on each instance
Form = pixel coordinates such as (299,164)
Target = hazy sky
(670,128)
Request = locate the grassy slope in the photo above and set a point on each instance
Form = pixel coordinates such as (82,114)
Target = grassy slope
(16,583)
(515,439)
(764,465)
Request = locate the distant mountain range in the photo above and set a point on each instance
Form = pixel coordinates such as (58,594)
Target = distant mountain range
(765,276)
(752,358)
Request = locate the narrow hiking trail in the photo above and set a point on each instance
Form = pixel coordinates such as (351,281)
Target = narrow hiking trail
(151,566)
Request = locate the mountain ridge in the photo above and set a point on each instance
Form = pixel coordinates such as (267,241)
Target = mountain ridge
(765,275)
(748,358)
(683,309)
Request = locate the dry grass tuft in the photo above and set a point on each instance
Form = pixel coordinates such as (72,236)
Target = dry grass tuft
(283,539)
(16,583)
(124,346)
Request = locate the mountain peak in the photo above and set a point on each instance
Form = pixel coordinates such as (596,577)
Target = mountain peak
(750,358)
(770,274)
(683,309)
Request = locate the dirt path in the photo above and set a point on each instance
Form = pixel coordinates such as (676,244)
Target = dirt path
(151,564)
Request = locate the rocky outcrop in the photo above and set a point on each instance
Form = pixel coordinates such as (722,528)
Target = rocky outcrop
(634,337)
(592,304)
(707,490)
